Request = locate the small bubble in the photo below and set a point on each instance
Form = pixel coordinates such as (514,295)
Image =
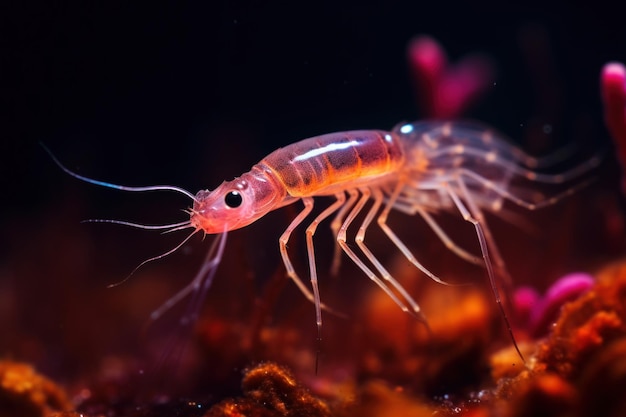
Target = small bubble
(547,129)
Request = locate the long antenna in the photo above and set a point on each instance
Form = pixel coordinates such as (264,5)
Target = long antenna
(117,186)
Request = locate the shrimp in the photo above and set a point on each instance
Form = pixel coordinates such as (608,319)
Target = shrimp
(419,168)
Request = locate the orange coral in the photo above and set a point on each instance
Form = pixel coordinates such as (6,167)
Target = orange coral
(580,369)
(270,390)
(585,325)
(25,393)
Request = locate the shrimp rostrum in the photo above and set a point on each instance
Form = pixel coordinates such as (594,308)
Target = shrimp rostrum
(418,168)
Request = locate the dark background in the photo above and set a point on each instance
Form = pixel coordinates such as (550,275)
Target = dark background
(192,94)
(147,94)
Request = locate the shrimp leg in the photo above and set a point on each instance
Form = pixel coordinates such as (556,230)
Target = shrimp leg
(382,222)
(484,248)
(310,232)
(478,215)
(499,262)
(291,272)
(360,241)
(284,238)
(335,226)
(201,282)
(519,201)
(450,245)
(413,208)
(514,169)
(341,239)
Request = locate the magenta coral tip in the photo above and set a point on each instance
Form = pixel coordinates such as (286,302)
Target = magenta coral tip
(566,289)
(427,60)
(444,91)
(525,298)
(613,85)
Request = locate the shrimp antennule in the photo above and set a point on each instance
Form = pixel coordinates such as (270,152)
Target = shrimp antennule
(154,258)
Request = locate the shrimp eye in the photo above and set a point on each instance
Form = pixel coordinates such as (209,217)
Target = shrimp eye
(233,199)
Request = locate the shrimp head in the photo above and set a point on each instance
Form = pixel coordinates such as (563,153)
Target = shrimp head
(240,202)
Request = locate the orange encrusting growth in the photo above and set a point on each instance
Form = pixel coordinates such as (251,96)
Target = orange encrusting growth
(325,164)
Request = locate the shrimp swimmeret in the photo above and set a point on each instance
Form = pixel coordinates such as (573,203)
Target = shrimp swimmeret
(417,168)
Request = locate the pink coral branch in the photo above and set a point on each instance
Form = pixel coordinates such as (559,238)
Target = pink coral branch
(538,312)
(445,91)
(613,85)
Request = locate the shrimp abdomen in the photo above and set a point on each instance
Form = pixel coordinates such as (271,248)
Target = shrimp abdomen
(330,163)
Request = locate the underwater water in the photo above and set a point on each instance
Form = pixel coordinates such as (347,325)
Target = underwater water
(195,95)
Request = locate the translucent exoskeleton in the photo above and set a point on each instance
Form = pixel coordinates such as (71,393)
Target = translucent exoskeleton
(417,168)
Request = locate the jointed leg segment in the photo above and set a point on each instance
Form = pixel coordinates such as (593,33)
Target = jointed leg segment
(473,215)
(382,222)
(341,239)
